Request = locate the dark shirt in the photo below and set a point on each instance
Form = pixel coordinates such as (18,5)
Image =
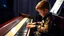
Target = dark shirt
(55,26)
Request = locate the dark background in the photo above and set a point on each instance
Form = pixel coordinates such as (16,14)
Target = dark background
(12,8)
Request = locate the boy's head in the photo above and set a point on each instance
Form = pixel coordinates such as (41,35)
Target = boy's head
(43,8)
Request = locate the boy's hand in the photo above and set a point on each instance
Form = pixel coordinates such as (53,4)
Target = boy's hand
(30,25)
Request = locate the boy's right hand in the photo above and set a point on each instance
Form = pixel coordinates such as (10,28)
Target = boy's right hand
(30,25)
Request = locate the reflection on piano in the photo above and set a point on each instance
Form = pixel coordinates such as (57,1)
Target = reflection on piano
(16,27)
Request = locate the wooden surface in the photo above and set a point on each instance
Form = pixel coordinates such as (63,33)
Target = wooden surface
(10,24)
(15,29)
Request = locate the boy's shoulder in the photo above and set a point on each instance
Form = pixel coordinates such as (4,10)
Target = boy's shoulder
(58,20)
(57,17)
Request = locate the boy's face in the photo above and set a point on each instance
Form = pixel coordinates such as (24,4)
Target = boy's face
(43,13)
